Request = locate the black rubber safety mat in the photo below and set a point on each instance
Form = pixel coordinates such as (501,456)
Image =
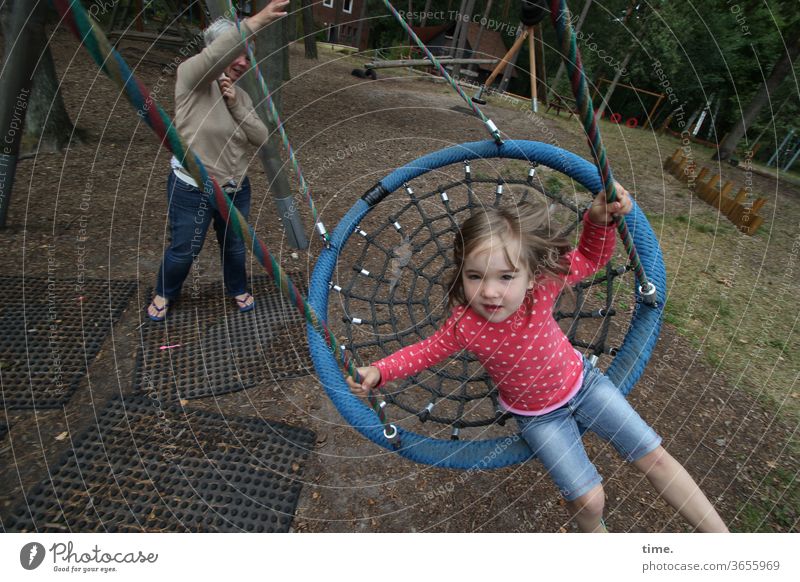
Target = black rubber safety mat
(50,331)
(3,430)
(144,468)
(206,347)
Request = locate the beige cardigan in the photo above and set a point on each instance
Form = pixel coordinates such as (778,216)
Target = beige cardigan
(218,134)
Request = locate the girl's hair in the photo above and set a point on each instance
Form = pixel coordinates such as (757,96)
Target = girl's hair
(541,247)
(216,28)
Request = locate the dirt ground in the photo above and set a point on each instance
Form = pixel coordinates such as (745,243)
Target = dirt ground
(348,133)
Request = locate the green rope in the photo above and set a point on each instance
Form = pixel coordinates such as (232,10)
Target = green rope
(572,60)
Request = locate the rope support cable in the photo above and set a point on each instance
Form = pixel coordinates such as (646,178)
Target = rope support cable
(567,39)
(488,122)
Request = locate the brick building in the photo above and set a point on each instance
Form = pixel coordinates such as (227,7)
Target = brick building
(339,20)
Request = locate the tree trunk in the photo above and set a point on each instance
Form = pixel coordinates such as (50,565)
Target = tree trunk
(360,30)
(31,107)
(476,48)
(512,63)
(457,33)
(614,82)
(462,41)
(779,72)
(309,31)
(48,127)
(291,21)
(424,12)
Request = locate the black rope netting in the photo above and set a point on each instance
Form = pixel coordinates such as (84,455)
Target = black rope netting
(396,292)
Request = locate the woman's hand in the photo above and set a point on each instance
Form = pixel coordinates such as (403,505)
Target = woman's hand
(603,213)
(370,377)
(272,12)
(227,89)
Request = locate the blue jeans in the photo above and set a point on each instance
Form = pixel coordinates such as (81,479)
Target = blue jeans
(190,214)
(600,407)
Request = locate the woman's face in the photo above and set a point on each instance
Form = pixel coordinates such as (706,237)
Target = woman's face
(238,67)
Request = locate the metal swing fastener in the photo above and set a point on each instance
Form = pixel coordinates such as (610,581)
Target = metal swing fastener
(648,294)
(323,232)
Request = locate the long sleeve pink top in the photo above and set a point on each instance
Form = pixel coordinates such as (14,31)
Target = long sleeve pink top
(527,355)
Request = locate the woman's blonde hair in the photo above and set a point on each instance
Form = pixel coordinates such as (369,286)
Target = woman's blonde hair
(541,248)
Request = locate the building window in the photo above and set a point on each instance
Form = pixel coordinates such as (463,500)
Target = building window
(347,6)
(327,3)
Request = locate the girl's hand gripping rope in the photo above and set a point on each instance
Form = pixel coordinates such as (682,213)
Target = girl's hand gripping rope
(370,377)
(602,212)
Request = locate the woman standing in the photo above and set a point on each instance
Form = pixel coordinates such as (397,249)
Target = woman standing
(219,124)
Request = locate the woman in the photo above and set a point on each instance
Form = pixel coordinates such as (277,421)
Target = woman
(218,122)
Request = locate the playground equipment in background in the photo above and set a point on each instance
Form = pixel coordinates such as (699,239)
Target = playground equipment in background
(789,149)
(631,121)
(740,213)
(369,68)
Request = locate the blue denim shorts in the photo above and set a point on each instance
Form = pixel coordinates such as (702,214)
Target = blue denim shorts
(600,407)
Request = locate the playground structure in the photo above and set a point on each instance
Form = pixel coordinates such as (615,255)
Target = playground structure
(631,121)
(369,68)
(528,33)
(737,210)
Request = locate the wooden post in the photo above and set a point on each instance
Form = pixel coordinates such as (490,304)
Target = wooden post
(724,201)
(670,162)
(708,190)
(541,74)
(753,225)
(508,56)
(758,204)
(532,61)
(652,112)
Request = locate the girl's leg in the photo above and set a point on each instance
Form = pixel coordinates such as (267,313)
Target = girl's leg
(556,442)
(678,489)
(587,510)
(232,251)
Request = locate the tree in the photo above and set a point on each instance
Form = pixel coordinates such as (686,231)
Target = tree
(780,71)
(48,127)
(309,32)
(32,112)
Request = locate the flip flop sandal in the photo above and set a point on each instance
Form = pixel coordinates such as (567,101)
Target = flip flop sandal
(161,312)
(243,305)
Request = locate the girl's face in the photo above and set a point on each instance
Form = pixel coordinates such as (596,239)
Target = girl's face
(494,287)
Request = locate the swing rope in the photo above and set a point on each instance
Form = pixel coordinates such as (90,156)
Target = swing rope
(565,34)
(115,67)
(272,113)
(567,39)
(488,122)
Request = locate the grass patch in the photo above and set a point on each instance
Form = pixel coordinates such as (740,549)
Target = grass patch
(777,502)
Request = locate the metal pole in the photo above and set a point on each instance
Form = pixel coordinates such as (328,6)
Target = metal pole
(274,168)
(794,157)
(775,157)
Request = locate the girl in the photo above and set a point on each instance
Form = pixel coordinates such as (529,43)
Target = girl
(511,269)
